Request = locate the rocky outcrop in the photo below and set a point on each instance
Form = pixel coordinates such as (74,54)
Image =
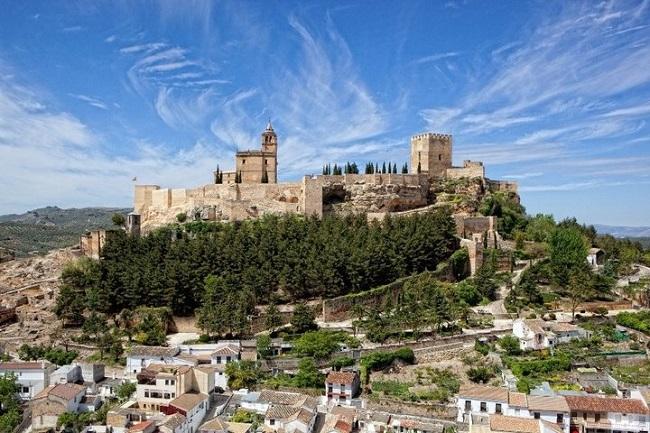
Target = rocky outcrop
(362,197)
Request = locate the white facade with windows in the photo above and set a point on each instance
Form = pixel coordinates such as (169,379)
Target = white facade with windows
(32,377)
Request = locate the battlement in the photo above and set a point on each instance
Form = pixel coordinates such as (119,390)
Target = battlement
(469,163)
(432,135)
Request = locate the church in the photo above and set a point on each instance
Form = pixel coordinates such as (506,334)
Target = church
(254,166)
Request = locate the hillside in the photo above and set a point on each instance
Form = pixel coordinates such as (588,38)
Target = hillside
(48,228)
(624,231)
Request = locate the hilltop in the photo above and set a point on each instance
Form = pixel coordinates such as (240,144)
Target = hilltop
(51,227)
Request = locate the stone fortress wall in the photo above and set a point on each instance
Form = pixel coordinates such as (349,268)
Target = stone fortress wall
(374,194)
(314,195)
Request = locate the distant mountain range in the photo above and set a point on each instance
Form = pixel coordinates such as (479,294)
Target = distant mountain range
(623,231)
(44,229)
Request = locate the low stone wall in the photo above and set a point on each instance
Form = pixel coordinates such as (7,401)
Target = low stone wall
(341,308)
(429,410)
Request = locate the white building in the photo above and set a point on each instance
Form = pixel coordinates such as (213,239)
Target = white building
(511,424)
(536,334)
(140,357)
(475,403)
(159,384)
(193,406)
(342,386)
(553,409)
(591,414)
(596,257)
(33,377)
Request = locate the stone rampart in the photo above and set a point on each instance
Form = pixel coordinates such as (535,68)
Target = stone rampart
(502,186)
(470,169)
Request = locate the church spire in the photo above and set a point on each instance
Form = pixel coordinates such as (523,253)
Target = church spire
(269,127)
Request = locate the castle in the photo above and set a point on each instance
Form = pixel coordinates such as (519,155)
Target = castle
(252,189)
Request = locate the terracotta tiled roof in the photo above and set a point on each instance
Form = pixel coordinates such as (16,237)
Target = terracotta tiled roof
(482,392)
(39,365)
(535,325)
(281,411)
(606,404)
(225,350)
(153,351)
(238,427)
(281,397)
(214,424)
(547,403)
(173,421)
(517,399)
(343,426)
(346,377)
(502,423)
(188,401)
(65,391)
(563,327)
(304,415)
(346,413)
(141,426)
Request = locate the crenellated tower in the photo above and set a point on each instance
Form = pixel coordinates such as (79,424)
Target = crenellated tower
(432,153)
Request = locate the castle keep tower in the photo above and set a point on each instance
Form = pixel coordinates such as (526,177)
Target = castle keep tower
(432,152)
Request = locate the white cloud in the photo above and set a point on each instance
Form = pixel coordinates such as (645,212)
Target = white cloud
(91,101)
(436,57)
(51,157)
(554,93)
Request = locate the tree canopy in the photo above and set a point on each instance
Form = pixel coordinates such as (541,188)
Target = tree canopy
(290,256)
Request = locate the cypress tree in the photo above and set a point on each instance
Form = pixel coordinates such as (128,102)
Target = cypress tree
(383,168)
(405,169)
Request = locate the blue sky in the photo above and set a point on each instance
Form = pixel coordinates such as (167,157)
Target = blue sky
(555,95)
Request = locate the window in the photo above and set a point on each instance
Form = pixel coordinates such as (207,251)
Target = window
(536,415)
(167,395)
(272,422)
(266,162)
(243,161)
(498,408)
(146,394)
(483,406)
(439,157)
(597,417)
(329,388)
(25,389)
(468,405)
(574,414)
(560,418)
(218,360)
(227,358)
